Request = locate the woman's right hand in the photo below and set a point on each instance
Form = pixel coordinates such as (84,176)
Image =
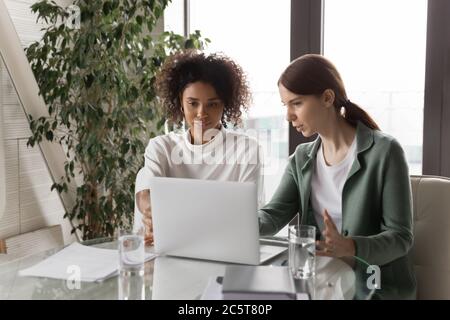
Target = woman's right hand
(147,221)
(144,206)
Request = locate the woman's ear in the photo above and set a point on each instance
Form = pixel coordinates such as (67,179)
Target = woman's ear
(180,97)
(328,97)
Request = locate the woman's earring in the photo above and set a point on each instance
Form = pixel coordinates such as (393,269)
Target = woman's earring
(343,111)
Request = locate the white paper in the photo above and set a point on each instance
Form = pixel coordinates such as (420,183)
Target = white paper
(89,263)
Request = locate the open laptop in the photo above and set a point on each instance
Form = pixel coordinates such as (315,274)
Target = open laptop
(211,220)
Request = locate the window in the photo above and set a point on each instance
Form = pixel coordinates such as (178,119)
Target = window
(256,36)
(379,48)
(174,17)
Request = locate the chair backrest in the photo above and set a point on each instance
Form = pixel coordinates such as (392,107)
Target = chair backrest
(431,250)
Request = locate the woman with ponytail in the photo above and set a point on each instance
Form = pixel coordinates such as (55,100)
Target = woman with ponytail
(352,182)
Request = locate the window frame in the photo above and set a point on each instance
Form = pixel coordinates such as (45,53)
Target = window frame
(307,28)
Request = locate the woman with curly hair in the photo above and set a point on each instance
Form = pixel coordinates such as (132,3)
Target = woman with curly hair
(207,92)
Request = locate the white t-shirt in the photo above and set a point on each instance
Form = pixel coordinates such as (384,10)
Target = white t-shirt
(228,156)
(327,184)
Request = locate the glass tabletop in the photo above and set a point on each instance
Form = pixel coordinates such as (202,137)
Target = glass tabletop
(170,278)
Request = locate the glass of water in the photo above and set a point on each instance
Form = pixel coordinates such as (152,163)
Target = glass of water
(131,264)
(302,251)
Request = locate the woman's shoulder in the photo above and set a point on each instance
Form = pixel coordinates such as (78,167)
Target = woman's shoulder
(305,150)
(239,136)
(385,141)
(382,137)
(378,143)
(384,149)
(249,134)
(166,141)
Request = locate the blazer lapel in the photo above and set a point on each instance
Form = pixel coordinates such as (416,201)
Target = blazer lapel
(364,140)
(306,176)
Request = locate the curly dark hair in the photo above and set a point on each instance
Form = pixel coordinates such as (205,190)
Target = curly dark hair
(222,73)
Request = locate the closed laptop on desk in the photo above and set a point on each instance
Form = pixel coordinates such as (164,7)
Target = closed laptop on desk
(205,219)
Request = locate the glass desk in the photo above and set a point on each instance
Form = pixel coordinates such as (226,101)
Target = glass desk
(180,278)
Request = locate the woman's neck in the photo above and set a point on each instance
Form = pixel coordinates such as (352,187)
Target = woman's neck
(337,138)
(197,136)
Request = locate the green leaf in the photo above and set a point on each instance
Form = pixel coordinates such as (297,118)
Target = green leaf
(125,147)
(139,20)
(189,44)
(88,80)
(118,32)
(107,8)
(49,135)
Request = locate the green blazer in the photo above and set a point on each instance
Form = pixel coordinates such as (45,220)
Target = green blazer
(376,206)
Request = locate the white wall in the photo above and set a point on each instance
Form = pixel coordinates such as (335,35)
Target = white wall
(2,169)
(29,203)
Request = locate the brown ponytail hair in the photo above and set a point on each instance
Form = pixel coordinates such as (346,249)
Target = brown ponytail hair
(312,74)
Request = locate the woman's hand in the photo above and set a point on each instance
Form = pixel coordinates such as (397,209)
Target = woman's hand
(335,245)
(144,206)
(148,223)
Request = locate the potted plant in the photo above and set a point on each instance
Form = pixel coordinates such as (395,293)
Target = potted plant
(97,81)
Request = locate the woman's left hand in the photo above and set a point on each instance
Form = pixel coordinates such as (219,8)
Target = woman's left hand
(335,245)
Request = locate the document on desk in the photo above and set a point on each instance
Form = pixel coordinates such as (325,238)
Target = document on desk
(92,264)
